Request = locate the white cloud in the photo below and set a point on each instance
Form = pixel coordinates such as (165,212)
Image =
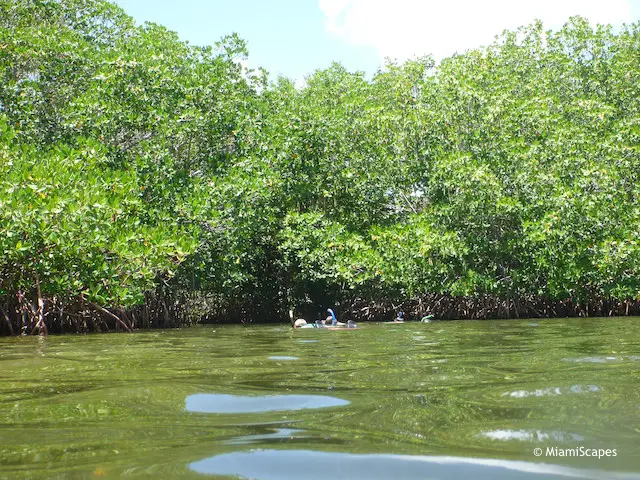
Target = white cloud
(403,29)
(300,83)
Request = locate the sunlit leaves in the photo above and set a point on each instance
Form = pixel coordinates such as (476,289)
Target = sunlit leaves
(130,159)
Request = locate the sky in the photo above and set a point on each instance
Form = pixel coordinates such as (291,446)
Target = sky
(295,37)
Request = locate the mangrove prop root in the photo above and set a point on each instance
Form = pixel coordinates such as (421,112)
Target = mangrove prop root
(175,309)
(118,320)
(8,321)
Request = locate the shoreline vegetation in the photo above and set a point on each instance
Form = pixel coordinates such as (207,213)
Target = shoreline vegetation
(156,312)
(146,182)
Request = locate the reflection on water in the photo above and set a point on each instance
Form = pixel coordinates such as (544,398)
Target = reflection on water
(541,392)
(390,401)
(277,434)
(305,464)
(530,436)
(219,403)
(591,359)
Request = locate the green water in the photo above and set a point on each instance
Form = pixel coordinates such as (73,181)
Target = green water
(441,400)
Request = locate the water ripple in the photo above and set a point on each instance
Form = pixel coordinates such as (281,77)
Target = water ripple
(531,435)
(277,435)
(551,391)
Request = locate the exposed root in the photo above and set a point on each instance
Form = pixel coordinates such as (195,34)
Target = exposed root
(118,320)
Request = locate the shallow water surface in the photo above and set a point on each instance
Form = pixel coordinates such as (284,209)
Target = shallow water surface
(440,400)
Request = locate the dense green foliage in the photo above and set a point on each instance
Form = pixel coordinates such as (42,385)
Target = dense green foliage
(132,161)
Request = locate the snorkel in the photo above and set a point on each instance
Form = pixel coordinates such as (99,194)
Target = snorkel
(334,320)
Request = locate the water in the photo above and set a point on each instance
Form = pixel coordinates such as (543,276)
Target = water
(407,401)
